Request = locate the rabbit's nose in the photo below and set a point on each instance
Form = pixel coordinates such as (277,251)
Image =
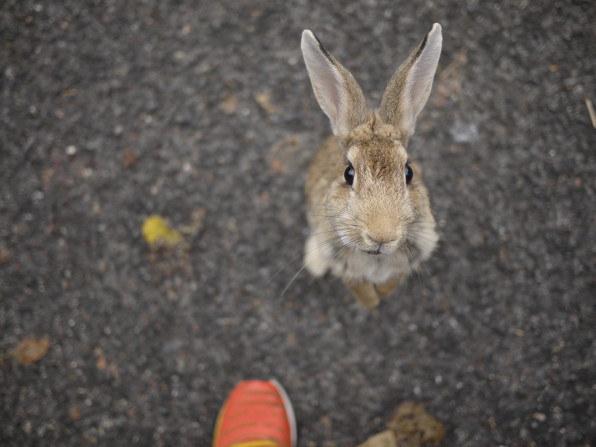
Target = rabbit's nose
(378,242)
(382,239)
(382,231)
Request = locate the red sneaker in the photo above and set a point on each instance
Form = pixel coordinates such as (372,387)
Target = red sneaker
(256,414)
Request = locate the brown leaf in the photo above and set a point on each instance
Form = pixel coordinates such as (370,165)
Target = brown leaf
(383,439)
(414,427)
(31,350)
(129,158)
(75,413)
(101,362)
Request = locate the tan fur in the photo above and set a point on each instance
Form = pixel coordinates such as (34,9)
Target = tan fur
(373,233)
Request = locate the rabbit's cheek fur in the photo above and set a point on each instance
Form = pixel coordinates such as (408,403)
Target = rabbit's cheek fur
(340,215)
(421,237)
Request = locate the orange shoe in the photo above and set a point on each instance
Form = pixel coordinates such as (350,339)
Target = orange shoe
(256,414)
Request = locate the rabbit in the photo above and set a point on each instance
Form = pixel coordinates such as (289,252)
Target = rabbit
(369,216)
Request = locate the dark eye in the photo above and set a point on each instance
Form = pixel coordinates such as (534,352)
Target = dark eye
(349,174)
(409,173)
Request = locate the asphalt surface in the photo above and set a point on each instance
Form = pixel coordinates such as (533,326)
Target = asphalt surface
(203,114)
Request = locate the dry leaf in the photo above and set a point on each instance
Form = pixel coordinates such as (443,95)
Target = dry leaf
(75,413)
(101,362)
(414,427)
(31,350)
(383,439)
(229,104)
(264,100)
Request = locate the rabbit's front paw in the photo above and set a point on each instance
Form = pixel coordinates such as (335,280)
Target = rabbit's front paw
(317,256)
(387,288)
(365,292)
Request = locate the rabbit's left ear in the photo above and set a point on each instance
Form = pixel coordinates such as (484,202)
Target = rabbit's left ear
(409,88)
(336,90)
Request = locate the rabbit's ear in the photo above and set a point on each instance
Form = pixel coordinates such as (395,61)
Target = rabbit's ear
(336,90)
(410,86)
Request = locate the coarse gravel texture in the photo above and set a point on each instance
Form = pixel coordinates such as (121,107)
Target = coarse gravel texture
(202,112)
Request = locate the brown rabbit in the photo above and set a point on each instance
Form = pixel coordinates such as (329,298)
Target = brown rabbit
(368,210)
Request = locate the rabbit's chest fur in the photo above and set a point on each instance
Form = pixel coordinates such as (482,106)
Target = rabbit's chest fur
(374,268)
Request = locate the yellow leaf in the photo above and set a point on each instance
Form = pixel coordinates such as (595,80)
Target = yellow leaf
(31,350)
(156,231)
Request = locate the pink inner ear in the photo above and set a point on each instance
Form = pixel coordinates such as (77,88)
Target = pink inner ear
(326,80)
(326,83)
(421,76)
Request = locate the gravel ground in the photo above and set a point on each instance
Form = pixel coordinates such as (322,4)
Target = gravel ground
(114,111)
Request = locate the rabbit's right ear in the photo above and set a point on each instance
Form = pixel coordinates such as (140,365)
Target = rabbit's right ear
(336,90)
(410,86)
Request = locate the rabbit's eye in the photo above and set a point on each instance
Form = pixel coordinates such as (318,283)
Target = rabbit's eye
(409,173)
(349,174)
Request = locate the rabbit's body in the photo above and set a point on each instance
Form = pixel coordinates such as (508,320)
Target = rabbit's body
(368,210)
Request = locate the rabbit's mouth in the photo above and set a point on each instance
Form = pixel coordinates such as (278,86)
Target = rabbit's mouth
(374,252)
(380,249)
(411,251)
(380,246)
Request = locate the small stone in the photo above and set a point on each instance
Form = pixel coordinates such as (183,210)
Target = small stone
(229,104)
(263,99)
